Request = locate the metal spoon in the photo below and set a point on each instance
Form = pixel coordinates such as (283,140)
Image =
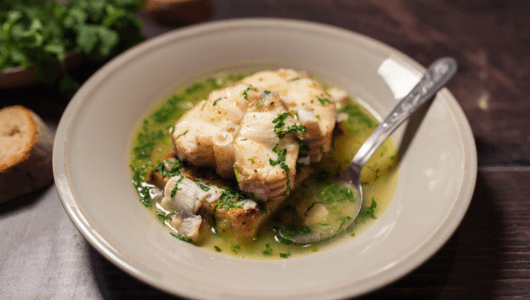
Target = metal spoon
(436,76)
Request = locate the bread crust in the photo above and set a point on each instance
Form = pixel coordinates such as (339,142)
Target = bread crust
(25,115)
(26,153)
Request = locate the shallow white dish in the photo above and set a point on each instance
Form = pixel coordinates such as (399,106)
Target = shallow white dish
(436,176)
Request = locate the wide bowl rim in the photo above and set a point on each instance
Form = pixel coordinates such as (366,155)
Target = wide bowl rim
(401,268)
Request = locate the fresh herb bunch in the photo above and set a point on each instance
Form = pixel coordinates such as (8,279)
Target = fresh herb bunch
(36,33)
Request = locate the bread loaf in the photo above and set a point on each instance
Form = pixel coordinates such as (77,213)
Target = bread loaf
(25,153)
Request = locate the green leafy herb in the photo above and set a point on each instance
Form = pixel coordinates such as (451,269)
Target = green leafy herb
(175,168)
(268,250)
(168,110)
(282,155)
(343,221)
(203,186)
(162,216)
(234,247)
(278,128)
(245,92)
(354,113)
(35,33)
(285,255)
(181,237)
(229,198)
(182,134)
(368,211)
(146,141)
(176,188)
(217,248)
(294,79)
(303,148)
(138,180)
(217,100)
(323,101)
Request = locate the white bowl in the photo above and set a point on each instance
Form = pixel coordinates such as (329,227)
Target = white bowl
(436,175)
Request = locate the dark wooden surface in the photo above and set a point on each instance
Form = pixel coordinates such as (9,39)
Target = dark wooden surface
(488,257)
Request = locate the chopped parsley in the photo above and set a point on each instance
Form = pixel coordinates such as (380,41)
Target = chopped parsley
(343,221)
(163,217)
(323,101)
(229,199)
(175,168)
(293,79)
(234,248)
(268,250)
(217,248)
(168,110)
(146,141)
(354,112)
(217,100)
(181,237)
(368,211)
(303,148)
(310,207)
(285,255)
(278,128)
(176,187)
(202,185)
(182,134)
(139,175)
(245,92)
(282,155)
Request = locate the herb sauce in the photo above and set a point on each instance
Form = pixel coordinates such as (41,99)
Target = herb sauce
(152,142)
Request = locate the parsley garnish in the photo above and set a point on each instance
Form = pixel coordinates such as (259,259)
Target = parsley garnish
(343,221)
(175,169)
(279,121)
(268,250)
(146,141)
(203,186)
(181,237)
(354,111)
(324,101)
(303,148)
(282,155)
(182,134)
(245,92)
(176,187)
(234,248)
(285,255)
(368,211)
(217,100)
(229,198)
(163,217)
(139,175)
(217,248)
(294,79)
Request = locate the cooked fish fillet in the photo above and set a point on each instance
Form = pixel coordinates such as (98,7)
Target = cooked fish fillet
(306,96)
(203,135)
(258,144)
(235,129)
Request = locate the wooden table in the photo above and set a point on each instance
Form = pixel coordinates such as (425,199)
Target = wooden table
(43,256)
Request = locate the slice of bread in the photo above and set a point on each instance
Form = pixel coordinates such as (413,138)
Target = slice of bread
(25,153)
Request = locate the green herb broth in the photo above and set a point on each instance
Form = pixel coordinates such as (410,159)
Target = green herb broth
(151,142)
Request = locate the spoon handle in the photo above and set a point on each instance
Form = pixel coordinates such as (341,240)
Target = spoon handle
(436,76)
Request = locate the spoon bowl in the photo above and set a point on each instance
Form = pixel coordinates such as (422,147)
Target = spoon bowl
(434,79)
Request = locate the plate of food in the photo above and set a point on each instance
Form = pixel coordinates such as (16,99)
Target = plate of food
(192,160)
